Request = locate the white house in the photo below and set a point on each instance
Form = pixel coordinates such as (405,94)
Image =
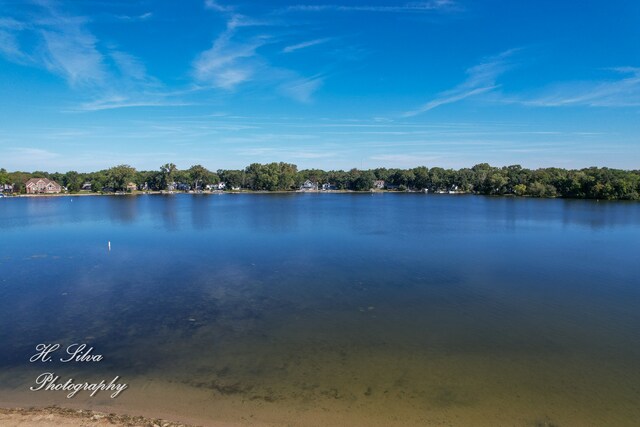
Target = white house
(309,186)
(219,186)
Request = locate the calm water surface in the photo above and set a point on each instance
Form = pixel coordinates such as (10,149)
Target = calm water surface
(405,308)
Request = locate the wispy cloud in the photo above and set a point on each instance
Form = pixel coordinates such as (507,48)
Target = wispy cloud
(425,6)
(228,62)
(9,44)
(302,89)
(623,90)
(304,45)
(115,102)
(214,5)
(480,79)
(10,48)
(131,67)
(72,53)
(234,59)
(63,44)
(135,18)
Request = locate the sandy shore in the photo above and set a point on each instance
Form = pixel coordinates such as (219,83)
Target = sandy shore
(56,416)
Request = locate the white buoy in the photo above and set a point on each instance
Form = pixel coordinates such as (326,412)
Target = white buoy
(109,244)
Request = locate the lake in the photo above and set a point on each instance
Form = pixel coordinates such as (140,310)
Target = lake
(329,309)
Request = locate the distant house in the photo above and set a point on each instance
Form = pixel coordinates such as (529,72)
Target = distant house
(391,186)
(378,184)
(6,188)
(86,186)
(218,186)
(328,187)
(42,186)
(132,186)
(309,186)
(181,186)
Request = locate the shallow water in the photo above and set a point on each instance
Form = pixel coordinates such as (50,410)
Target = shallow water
(384,308)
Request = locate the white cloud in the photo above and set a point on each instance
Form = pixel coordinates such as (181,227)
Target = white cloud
(301,89)
(621,91)
(214,5)
(135,18)
(228,63)
(129,66)
(233,60)
(10,48)
(64,45)
(425,6)
(119,101)
(304,45)
(72,53)
(58,42)
(480,79)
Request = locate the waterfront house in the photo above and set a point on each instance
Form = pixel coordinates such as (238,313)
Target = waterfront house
(6,188)
(42,186)
(132,186)
(392,186)
(86,186)
(378,184)
(309,186)
(218,186)
(329,187)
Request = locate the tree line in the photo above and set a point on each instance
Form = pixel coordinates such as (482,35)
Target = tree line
(589,183)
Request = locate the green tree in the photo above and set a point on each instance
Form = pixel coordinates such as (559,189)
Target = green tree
(167,170)
(73,181)
(4,176)
(421,177)
(232,178)
(520,189)
(361,180)
(496,182)
(199,176)
(119,176)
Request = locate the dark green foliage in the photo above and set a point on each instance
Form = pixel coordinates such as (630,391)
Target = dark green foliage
(119,176)
(589,183)
(271,177)
(361,180)
(73,181)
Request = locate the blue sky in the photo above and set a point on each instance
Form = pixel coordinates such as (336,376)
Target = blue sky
(328,84)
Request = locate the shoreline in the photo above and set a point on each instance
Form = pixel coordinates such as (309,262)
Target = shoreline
(218,193)
(67,417)
(261,192)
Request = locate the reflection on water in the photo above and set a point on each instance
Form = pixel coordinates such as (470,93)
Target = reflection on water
(414,309)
